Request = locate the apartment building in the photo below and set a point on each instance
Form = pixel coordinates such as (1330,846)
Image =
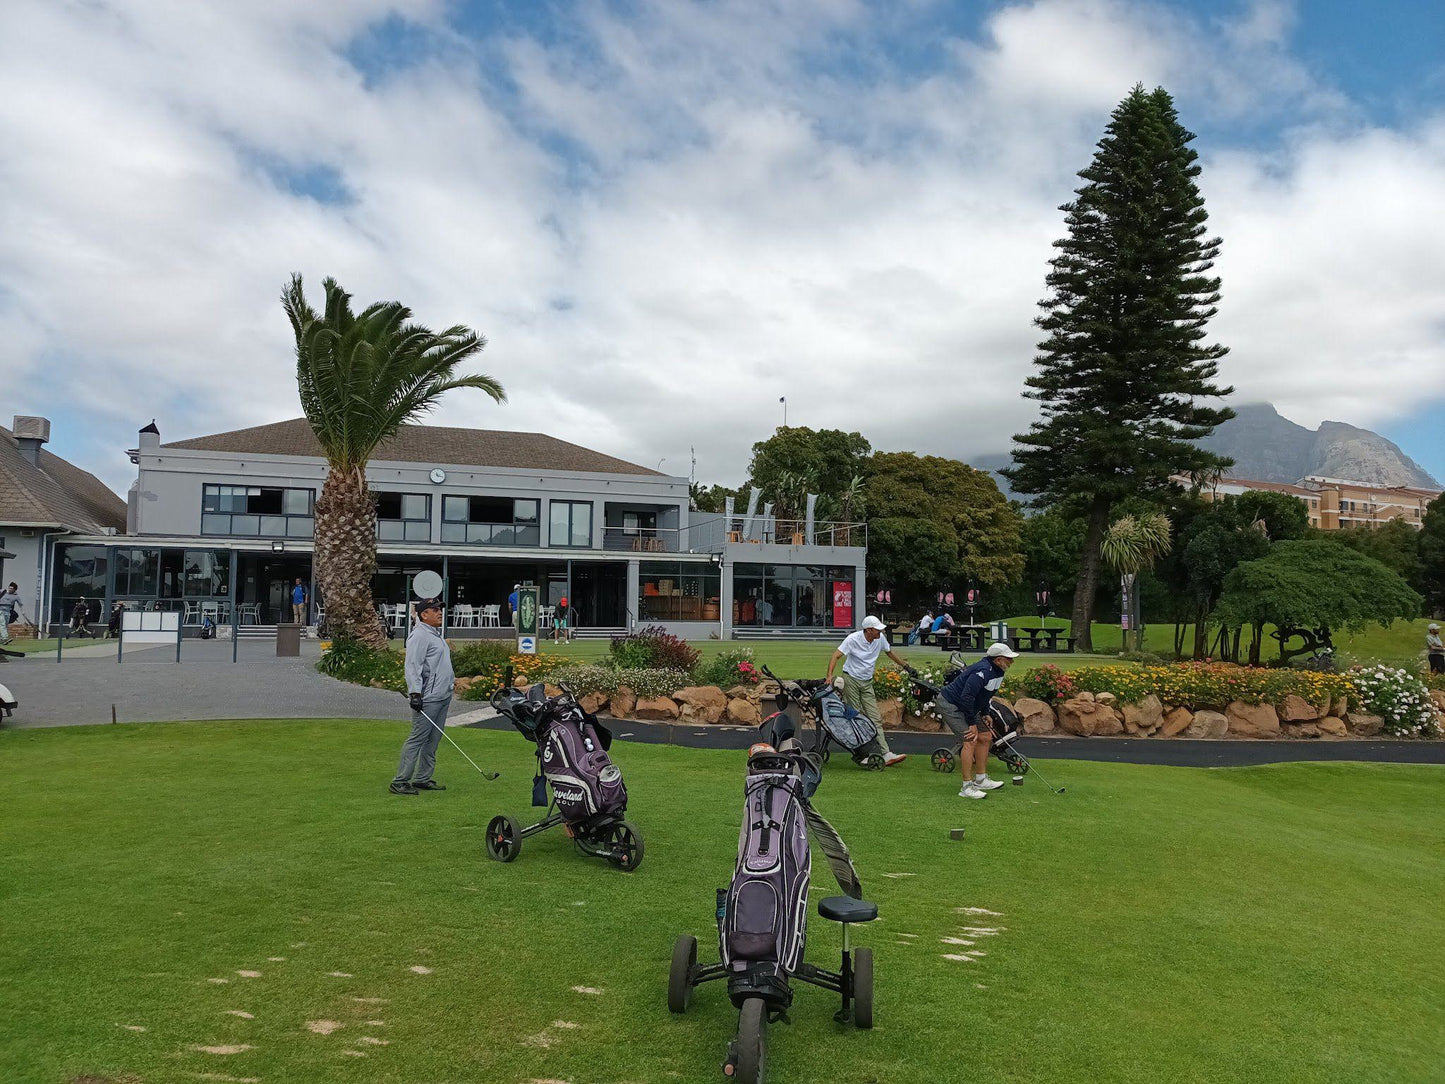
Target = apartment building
(1336,503)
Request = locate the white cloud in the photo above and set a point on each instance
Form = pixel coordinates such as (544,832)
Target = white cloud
(672,219)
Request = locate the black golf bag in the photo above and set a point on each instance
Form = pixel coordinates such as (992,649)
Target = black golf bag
(572,753)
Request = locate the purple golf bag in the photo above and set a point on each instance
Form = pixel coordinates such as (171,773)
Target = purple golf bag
(574,761)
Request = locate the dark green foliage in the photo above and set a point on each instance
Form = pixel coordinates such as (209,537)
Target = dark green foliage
(829,459)
(475,657)
(350,660)
(656,648)
(1314,584)
(938,524)
(1432,554)
(1124,367)
(1395,544)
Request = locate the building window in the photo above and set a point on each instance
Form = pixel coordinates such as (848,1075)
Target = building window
(678,591)
(206,573)
(403,517)
(793,596)
(258,511)
(571,523)
(490,521)
(83,572)
(137,573)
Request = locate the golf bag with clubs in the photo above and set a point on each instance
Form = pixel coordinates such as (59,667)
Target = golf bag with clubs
(835,722)
(588,797)
(1003,724)
(762,915)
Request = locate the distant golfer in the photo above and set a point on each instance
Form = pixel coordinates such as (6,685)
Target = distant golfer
(859,652)
(10,608)
(512,603)
(298,602)
(1434,647)
(429,683)
(964,704)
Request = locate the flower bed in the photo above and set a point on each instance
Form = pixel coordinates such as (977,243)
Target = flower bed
(1401,699)
(1190,684)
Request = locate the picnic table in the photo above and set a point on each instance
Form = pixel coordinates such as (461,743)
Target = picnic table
(1050,637)
(963,638)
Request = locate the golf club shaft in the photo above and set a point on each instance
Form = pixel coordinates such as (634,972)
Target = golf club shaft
(1042,780)
(458,748)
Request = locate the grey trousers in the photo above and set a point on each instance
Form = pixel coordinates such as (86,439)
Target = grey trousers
(419,751)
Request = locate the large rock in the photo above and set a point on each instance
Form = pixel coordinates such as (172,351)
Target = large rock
(1106,698)
(1088,717)
(1035,716)
(657,708)
(1296,709)
(743,712)
(1301,730)
(1332,726)
(623,703)
(1364,725)
(701,703)
(1176,722)
(1252,720)
(1144,717)
(592,703)
(892,713)
(1339,707)
(1207,724)
(745,692)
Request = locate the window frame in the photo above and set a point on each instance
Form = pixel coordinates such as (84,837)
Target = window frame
(217,504)
(571,524)
(521,530)
(407,534)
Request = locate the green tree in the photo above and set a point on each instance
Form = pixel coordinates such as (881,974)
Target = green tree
(711,498)
(828,459)
(361,377)
(936,523)
(1432,554)
(1395,544)
(1124,367)
(1134,544)
(1309,588)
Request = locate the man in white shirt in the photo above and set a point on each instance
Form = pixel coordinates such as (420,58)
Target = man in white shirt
(859,653)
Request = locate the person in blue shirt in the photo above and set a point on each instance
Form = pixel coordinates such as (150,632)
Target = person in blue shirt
(963,706)
(298,602)
(512,603)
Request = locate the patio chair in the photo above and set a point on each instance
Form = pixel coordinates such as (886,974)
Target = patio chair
(250,613)
(544,617)
(492,617)
(464,616)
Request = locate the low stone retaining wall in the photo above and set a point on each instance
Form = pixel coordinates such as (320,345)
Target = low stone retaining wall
(1083,715)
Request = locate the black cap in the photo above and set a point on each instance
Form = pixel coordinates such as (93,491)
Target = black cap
(428,604)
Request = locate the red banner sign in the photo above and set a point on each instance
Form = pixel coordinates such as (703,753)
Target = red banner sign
(842,605)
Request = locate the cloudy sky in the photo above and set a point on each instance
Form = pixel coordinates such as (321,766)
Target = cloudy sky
(665,215)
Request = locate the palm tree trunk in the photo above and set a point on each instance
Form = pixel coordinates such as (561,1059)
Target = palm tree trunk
(1088,581)
(346,557)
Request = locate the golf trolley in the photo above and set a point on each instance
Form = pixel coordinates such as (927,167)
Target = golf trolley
(588,798)
(1003,725)
(8,703)
(762,916)
(834,722)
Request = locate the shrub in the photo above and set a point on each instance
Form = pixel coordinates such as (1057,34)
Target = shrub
(736,666)
(1400,698)
(896,685)
(476,657)
(644,681)
(491,676)
(348,660)
(1047,683)
(654,648)
(1192,684)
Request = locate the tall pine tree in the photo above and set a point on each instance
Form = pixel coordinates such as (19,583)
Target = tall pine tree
(1122,373)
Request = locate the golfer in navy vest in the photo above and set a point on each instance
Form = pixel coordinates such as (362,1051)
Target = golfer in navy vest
(963,705)
(429,682)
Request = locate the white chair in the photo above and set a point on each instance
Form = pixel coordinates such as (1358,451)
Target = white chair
(193,614)
(491,617)
(464,616)
(545,615)
(250,613)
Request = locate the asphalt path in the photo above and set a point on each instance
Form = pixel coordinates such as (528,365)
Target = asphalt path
(1179,752)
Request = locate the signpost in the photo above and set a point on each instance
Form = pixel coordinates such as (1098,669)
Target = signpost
(528,612)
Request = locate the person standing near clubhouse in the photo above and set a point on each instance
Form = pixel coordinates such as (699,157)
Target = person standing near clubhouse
(429,683)
(1434,646)
(859,653)
(963,705)
(9,609)
(298,602)
(512,603)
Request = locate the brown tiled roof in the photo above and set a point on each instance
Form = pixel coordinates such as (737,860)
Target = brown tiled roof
(54,492)
(1273,487)
(427,444)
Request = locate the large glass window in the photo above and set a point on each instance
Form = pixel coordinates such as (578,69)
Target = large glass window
(571,523)
(490,521)
(403,517)
(137,573)
(801,596)
(206,573)
(678,591)
(83,572)
(259,511)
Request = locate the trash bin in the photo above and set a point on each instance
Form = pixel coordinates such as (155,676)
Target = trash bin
(998,632)
(288,639)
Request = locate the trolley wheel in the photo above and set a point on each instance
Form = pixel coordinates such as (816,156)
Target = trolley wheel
(942,760)
(874,762)
(625,843)
(863,987)
(679,979)
(1016,764)
(504,838)
(752,1043)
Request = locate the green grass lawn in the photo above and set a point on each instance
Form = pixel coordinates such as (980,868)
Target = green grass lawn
(1278,923)
(35,647)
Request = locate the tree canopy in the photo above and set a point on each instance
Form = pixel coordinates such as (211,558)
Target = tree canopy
(1432,553)
(937,523)
(826,460)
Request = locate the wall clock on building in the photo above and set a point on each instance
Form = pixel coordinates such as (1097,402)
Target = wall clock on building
(438,475)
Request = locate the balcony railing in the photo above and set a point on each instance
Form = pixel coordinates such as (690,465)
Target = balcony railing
(711,533)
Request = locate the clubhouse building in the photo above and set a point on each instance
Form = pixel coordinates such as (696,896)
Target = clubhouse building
(221,527)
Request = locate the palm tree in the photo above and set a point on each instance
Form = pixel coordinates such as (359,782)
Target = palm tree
(1131,545)
(361,378)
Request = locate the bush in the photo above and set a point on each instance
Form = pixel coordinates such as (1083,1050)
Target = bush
(492,675)
(1192,684)
(736,666)
(348,660)
(644,681)
(1047,683)
(1400,698)
(476,657)
(654,648)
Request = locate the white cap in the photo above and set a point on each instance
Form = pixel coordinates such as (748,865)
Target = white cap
(1000,651)
(1434,627)
(871,622)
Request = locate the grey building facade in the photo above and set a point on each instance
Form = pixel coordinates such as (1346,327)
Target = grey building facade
(222,526)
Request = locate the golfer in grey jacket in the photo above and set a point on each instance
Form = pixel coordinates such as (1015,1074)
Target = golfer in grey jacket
(429,681)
